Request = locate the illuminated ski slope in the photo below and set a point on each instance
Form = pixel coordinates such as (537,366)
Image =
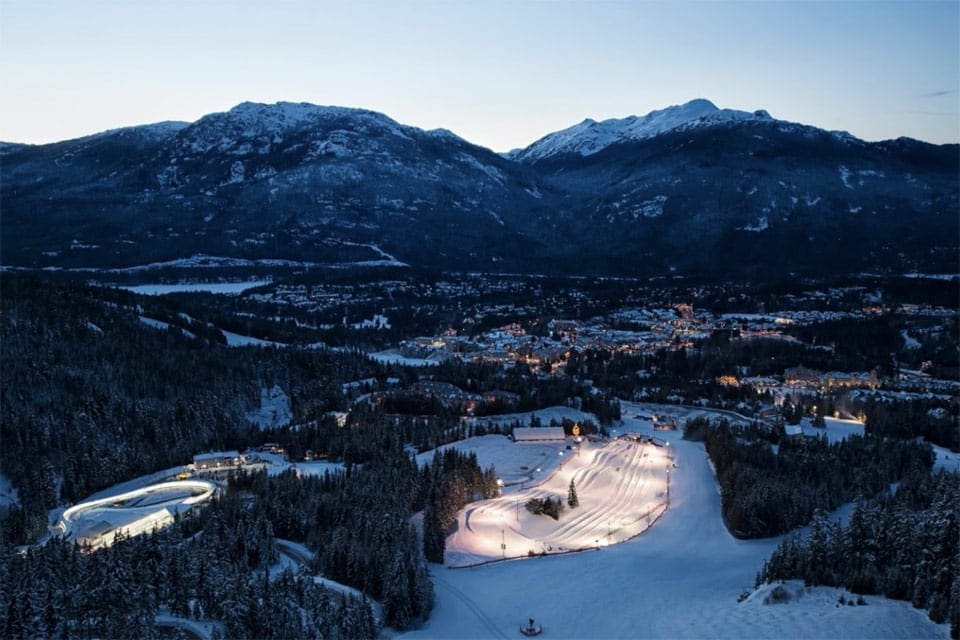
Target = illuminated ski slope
(621,486)
(682,579)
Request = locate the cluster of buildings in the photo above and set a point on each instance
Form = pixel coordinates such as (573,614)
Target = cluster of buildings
(649,331)
(446,395)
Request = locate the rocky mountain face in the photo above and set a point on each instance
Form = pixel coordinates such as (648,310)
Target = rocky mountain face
(690,189)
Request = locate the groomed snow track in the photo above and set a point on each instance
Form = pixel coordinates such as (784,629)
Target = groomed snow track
(622,486)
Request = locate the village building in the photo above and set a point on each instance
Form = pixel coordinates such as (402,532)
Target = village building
(802,377)
(217,460)
(538,434)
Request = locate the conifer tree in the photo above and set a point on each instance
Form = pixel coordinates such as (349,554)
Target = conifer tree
(572,500)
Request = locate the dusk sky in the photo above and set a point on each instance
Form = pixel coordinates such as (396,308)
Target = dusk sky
(500,74)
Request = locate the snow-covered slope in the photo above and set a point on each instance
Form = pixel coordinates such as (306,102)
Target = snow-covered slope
(591,136)
(681,579)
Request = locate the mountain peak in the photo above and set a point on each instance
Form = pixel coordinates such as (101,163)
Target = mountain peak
(697,104)
(256,125)
(590,136)
(288,115)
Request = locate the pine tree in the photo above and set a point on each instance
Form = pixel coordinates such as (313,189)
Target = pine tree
(434,538)
(396,597)
(572,500)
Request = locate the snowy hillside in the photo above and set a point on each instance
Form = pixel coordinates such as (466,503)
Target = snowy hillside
(590,136)
(682,578)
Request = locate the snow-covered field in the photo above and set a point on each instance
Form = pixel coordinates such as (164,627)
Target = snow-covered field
(317,468)
(392,356)
(237,340)
(516,462)
(836,429)
(680,579)
(223,288)
(946,459)
(277,464)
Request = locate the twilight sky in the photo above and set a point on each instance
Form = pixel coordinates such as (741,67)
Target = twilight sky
(500,74)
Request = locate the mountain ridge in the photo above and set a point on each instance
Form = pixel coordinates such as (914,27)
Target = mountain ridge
(706,107)
(683,189)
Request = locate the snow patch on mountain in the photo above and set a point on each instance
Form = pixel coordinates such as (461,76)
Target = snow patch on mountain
(490,171)
(387,258)
(845,176)
(237,174)
(651,208)
(760,225)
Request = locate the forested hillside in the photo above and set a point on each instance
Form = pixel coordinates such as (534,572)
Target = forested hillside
(768,490)
(92,396)
(904,546)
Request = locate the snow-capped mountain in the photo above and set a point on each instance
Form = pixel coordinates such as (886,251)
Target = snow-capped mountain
(687,189)
(288,180)
(260,127)
(590,136)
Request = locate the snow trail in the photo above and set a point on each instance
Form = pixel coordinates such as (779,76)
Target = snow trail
(487,622)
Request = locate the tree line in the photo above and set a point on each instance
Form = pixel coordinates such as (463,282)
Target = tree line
(452,480)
